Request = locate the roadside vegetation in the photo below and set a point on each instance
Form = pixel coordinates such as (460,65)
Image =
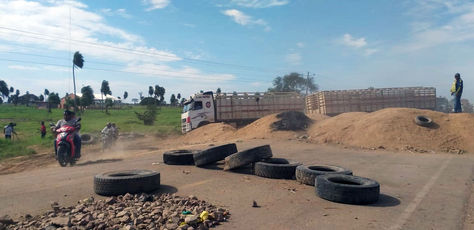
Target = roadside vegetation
(28,123)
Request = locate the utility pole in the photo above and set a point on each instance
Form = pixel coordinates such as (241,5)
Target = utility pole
(307,81)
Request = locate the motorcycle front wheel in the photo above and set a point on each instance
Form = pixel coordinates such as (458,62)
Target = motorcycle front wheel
(62,155)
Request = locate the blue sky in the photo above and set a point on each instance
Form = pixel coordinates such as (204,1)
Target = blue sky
(237,45)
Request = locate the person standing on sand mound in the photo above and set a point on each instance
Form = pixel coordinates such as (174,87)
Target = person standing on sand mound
(456,91)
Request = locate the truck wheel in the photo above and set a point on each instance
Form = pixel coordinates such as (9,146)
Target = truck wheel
(248,156)
(277,168)
(214,154)
(127,181)
(423,121)
(179,157)
(307,174)
(347,189)
(87,139)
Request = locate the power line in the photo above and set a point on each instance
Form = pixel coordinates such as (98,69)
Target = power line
(192,60)
(186,76)
(111,64)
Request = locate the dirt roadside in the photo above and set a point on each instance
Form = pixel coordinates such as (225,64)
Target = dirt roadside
(419,191)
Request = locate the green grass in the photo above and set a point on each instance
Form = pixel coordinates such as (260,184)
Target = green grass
(28,120)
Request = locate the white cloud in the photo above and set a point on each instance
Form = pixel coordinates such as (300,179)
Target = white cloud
(294,58)
(370,51)
(120,12)
(350,41)
(241,18)
(430,31)
(156,4)
(48,26)
(260,3)
(23,67)
(300,44)
(185,73)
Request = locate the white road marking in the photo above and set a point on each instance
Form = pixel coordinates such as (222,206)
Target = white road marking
(419,197)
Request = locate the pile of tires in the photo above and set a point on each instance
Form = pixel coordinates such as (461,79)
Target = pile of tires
(333,183)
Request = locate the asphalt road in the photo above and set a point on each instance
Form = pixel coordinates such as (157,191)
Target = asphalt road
(418,191)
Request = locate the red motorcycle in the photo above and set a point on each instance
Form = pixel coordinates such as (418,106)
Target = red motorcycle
(65,148)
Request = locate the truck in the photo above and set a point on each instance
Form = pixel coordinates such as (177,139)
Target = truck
(238,108)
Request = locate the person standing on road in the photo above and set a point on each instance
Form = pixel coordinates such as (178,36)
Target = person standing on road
(8,130)
(43,130)
(456,91)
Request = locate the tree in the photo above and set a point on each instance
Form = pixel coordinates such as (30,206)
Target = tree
(108,103)
(11,89)
(150,91)
(41,97)
(15,97)
(125,95)
(77,61)
(141,95)
(4,91)
(293,82)
(159,93)
(467,107)
(53,100)
(178,96)
(46,92)
(218,91)
(149,101)
(104,90)
(173,100)
(182,101)
(87,96)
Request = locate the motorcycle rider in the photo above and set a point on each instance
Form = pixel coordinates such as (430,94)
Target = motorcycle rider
(107,135)
(70,119)
(115,131)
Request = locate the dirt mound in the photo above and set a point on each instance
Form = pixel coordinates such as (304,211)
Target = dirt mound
(394,128)
(291,120)
(210,132)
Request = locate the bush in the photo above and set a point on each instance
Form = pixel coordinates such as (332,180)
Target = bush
(148,117)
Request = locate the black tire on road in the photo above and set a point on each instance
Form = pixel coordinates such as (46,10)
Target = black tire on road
(277,168)
(87,139)
(214,154)
(126,181)
(248,156)
(423,121)
(347,189)
(179,157)
(307,174)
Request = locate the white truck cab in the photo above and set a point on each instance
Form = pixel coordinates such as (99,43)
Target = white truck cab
(199,110)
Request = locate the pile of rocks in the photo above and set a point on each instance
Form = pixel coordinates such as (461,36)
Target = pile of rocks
(140,211)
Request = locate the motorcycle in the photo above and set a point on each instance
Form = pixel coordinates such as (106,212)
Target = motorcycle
(107,141)
(65,148)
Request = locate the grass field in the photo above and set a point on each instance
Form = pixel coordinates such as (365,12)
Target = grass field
(28,120)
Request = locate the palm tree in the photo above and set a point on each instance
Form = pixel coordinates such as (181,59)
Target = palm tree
(78,61)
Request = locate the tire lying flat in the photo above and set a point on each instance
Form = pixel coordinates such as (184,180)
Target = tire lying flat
(307,174)
(423,121)
(347,189)
(179,157)
(248,156)
(276,168)
(214,154)
(126,181)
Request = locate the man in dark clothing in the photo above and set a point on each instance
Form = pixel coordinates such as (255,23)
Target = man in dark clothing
(456,91)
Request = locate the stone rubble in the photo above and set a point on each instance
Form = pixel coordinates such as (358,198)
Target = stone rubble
(130,212)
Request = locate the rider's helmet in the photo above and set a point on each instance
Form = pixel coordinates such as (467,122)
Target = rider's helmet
(457,75)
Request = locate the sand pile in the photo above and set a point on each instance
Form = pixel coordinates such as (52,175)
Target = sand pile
(394,128)
(210,132)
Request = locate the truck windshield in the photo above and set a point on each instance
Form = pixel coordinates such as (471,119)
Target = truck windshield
(187,107)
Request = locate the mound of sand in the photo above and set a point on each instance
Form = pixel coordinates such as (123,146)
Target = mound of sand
(394,128)
(210,132)
(291,120)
